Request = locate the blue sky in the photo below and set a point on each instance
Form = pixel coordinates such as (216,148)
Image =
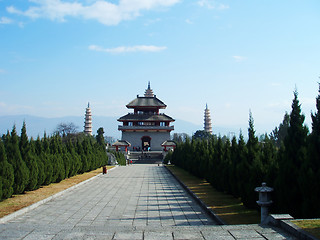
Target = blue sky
(56,55)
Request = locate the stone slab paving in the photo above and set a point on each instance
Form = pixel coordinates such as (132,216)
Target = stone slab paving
(133,202)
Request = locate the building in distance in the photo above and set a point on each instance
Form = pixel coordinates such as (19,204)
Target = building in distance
(146,128)
(207,120)
(88,121)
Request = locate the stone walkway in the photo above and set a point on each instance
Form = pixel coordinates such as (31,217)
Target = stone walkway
(133,202)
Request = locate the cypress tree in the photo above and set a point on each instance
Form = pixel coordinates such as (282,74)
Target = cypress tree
(76,161)
(29,159)
(21,171)
(86,155)
(269,161)
(233,166)
(36,153)
(100,137)
(84,162)
(279,133)
(310,174)
(6,174)
(1,196)
(254,165)
(59,172)
(217,165)
(226,165)
(242,169)
(46,159)
(292,160)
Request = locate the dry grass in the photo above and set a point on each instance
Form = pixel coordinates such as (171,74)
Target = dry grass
(228,208)
(311,226)
(16,202)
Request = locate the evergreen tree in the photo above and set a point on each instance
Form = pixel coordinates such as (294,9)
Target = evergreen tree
(24,142)
(21,171)
(76,161)
(29,159)
(36,153)
(233,166)
(292,160)
(46,159)
(226,165)
(84,161)
(6,174)
(254,165)
(100,137)
(242,170)
(1,196)
(218,155)
(310,174)
(279,133)
(87,151)
(56,159)
(269,161)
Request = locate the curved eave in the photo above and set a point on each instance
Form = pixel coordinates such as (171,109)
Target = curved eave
(146,102)
(146,118)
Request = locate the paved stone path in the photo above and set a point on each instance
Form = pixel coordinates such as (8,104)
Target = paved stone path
(133,202)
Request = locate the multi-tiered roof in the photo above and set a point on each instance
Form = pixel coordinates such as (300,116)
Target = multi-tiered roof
(146,115)
(88,121)
(207,120)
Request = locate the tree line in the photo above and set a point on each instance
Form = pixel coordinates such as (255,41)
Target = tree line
(26,164)
(288,160)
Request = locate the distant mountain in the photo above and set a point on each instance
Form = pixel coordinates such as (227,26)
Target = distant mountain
(36,126)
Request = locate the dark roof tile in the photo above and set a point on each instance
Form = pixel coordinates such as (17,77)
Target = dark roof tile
(146,102)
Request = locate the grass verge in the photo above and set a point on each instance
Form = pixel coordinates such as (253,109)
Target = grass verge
(17,202)
(231,210)
(311,226)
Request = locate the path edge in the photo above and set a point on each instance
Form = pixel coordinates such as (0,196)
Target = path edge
(24,210)
(198,200)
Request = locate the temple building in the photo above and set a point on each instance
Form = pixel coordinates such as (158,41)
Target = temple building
(146,128)
(88,121)
(207,120)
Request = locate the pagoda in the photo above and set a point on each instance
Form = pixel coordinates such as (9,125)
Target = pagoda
(146,128)
(207,120)
(88,121)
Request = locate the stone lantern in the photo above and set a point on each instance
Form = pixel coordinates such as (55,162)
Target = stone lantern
(264,200)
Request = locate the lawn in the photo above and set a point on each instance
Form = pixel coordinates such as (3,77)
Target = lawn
(16,202)
(311,226)
(228,208)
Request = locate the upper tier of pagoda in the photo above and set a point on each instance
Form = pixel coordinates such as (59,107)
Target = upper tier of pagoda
(147,104)
(146,112)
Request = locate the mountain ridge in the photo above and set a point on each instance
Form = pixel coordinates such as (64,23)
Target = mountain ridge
(37,126)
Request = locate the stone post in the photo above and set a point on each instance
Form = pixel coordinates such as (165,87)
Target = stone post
(264,200)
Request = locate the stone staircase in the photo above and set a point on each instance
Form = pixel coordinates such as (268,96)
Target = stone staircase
(151,157)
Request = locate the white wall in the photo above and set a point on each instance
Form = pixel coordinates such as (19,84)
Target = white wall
(157,138)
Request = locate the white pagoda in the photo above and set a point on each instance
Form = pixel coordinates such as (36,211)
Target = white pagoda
(207,120)
(88,121)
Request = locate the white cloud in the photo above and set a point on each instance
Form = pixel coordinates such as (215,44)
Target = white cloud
(275,84)
(123,49)
(239,58)
(152,21)
(5,20)
(2,71)
(103,11)
(212,4)
(188,21)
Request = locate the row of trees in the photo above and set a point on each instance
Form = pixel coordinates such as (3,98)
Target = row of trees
(288,160)
(26,164)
